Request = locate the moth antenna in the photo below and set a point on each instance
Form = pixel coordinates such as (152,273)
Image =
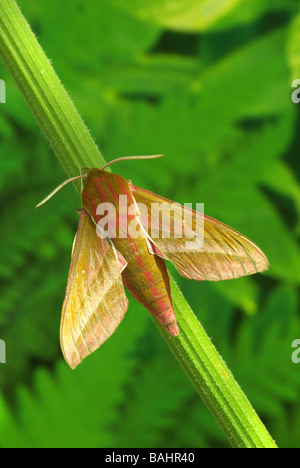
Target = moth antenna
(83,167)
(82,176)
(126,158)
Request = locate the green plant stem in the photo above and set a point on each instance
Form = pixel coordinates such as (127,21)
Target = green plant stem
(75,148)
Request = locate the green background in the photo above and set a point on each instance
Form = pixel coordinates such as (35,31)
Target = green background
(208,83)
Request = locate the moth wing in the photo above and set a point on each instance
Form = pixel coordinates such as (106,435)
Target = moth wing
(95,301)
(200,247)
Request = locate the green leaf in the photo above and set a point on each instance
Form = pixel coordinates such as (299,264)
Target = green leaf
(122,36)
(252,10)
(201,15)
(195,15)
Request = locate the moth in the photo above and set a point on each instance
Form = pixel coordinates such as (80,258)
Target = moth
(103,262)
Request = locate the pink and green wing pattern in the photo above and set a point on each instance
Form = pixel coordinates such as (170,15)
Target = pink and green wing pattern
(216,253)
(95,301)
(145,275)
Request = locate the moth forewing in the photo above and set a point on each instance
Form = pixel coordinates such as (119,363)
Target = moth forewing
(95,301)
(217,253)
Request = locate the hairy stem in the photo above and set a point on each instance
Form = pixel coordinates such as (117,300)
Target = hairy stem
(75,148)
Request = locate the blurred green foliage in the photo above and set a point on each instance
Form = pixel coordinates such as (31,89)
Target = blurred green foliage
(208,83)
